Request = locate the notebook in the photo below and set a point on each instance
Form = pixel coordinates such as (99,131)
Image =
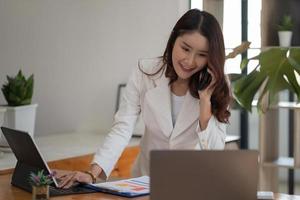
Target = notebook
(209,175)
(29,159)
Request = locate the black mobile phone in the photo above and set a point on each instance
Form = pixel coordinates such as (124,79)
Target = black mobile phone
(204,79)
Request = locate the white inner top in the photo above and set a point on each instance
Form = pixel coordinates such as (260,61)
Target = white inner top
(176,102)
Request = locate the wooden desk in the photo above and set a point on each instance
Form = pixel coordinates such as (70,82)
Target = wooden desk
(8,192)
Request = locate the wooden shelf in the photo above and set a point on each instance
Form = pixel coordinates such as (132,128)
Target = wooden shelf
(286,162)
(281,104)
(271,161)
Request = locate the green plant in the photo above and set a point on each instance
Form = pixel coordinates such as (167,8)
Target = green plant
(286,24)
(18,90)
(278,69)
(39,178)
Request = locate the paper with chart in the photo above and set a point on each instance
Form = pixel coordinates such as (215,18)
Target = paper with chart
(139,185)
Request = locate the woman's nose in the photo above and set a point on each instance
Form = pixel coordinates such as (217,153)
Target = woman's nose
(190,59)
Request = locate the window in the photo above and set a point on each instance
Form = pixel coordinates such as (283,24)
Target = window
(232,29)
(197,4)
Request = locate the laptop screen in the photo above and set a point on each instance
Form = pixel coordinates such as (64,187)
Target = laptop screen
(209,175)
(29,158)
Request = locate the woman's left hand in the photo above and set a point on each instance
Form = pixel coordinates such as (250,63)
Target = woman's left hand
(206,93)
(205,103)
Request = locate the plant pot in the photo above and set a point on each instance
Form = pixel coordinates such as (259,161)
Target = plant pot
(2,112)
(285,38)
(40,192)
(20,118)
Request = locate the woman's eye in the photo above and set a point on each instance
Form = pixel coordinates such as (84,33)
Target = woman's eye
(202,55)
(185,49)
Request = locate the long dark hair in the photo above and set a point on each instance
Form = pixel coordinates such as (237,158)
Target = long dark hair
(207,25)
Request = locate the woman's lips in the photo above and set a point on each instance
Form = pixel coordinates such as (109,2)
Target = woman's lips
(186,69)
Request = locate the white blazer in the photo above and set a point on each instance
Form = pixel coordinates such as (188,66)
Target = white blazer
(150,96)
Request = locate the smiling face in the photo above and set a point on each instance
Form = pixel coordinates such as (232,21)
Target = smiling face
(189,55)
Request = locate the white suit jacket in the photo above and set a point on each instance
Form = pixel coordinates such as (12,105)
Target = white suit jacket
(150,96)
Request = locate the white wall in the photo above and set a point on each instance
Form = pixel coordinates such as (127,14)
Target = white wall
(79,51)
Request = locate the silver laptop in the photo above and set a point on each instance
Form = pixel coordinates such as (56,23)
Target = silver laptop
(207,175)
(29,159)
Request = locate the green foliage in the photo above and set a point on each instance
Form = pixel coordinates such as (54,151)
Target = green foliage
(286,23)
(39,178)
(18,91)
(277,70)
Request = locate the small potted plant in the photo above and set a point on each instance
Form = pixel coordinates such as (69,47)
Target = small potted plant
(285,31)
(20,113)
(40,185)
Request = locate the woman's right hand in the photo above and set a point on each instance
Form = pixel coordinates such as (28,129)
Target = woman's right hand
(71,178)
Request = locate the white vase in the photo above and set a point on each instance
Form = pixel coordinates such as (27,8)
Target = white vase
(2,112)
(20,118)
(285,38)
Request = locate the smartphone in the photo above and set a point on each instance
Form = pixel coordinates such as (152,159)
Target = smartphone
(204,79)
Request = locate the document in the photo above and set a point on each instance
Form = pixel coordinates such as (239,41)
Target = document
(128,187)
(265,195)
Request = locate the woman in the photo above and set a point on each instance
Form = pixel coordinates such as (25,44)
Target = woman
(183,98)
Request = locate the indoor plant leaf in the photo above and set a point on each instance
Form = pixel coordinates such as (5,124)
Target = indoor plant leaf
(275,72)
(245,88)
(18,91)
(244,63)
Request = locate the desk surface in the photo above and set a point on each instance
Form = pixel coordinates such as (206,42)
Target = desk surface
(60,146)
(9,192)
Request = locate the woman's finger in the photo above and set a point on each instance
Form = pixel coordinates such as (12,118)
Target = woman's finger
(60,175)
(212,75)
(71,182)
(65,180)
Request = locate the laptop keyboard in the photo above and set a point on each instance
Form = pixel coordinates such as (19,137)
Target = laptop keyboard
(73,190)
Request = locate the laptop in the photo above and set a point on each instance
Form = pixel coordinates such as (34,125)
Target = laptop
(207,175)
(29,159)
